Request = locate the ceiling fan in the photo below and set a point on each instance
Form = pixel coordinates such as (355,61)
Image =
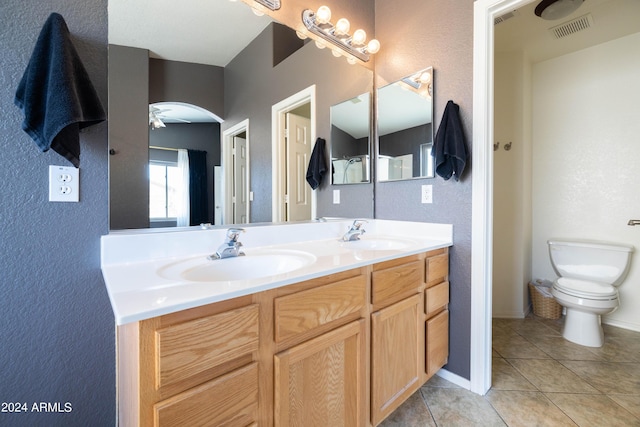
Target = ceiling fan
(156,115)
(556,9)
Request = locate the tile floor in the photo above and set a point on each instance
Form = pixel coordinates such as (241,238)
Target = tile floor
(539,379)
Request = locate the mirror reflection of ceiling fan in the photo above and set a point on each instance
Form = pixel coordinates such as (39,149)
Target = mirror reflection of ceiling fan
(158,117)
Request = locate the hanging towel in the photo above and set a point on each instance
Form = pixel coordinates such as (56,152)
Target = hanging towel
(56,94)
(450,150)
(317,164)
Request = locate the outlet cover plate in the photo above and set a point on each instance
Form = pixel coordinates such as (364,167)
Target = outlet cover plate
(427,194)
(64,184)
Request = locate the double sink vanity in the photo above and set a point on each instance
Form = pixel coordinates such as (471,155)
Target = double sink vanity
(305,328)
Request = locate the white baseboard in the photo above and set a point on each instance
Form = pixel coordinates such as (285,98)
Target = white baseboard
(455,379)
(621,324)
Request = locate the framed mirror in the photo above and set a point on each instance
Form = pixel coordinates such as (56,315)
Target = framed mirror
(350,129)
(405,128)
(154,59)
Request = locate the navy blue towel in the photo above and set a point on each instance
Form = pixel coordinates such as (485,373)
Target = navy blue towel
(56,94)
(317,164)
(449,148)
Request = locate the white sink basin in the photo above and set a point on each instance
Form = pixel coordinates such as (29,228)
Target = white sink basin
(378,244)
(251,266)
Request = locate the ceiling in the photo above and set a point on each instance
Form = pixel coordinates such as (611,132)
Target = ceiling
(611,19)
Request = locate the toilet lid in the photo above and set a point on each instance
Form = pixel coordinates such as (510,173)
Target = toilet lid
(585,288)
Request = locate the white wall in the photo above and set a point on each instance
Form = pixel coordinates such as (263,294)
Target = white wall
(586,156)
(512,186)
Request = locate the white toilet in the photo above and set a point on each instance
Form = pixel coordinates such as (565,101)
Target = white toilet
(590,273)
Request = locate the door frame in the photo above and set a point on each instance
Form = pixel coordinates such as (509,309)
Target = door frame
(227,158)
(278,158)
(485,11)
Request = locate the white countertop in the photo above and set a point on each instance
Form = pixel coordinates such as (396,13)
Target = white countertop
(132,262)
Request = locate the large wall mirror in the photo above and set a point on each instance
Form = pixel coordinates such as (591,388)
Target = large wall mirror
(350,128)
(405,128)
(164,59)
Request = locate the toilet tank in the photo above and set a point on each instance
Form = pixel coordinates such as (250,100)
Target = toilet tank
(590,260)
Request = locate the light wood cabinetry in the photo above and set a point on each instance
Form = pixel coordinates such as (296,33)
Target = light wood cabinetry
(344,349)
(436,312)
(321,382)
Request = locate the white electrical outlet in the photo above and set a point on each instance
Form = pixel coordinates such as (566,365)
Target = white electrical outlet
(64,184)
(427,194)
(336,197)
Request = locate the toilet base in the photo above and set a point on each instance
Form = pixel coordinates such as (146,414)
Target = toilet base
(583,328)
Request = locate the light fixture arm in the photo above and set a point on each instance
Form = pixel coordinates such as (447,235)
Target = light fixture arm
(327,32)
(270,4)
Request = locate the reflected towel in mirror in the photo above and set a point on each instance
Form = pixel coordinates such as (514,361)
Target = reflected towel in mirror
(317,164)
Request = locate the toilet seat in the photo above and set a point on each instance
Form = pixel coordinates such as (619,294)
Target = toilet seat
(585,288)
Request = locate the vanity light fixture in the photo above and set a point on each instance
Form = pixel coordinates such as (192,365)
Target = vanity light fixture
(270,4)
(155,122)
(319,23)
(420,82)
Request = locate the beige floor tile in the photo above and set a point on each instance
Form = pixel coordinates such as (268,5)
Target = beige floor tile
(559,348)
(551,376)
(506,377)
(609,378)
(631,402)
(436,381)
(412,413)
(516,347)
(532,328)
(458,407)
(594,410)
(526,408)
(618,348)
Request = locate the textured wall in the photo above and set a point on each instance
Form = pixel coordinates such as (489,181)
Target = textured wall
(57,334)
(414,35)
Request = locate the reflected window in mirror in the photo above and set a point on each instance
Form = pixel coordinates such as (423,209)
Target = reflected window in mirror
(350,127)
(405,128)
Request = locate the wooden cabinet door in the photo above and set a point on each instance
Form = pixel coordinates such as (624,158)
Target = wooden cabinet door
(397,355)
(437,342)
(321,381)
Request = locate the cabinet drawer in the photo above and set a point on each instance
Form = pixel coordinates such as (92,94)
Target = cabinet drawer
(303,311)
(231,400)
(190,348)
(436,297)
(437,342)
(394,283)
(437,269)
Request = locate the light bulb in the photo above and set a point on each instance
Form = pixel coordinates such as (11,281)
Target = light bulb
(373,46)
(319,44)
(342,26)
(323,15)
(351,60)
(301,35)
(336,53)
(425,77)
(257,12)
(359,37)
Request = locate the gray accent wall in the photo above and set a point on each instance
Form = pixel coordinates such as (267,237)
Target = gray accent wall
(57,340)
(417,34)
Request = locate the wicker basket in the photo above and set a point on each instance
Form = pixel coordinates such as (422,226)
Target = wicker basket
(543,305)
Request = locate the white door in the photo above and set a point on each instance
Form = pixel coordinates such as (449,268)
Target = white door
(240,181)
(217,191)
(298,197)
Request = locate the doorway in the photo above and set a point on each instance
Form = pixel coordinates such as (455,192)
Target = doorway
(294,129)
(235,165)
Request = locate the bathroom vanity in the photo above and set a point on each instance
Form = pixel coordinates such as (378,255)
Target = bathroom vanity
(341,340)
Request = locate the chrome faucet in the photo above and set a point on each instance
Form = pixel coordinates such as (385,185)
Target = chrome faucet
(355,231)
(231,246)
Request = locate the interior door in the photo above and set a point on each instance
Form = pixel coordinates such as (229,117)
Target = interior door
(298,197)
(240,181)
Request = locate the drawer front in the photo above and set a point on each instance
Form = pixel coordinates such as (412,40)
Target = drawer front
(395,283)
(437,269)
(437,342)
(190,348)
(437,297)
(303,311)
(231,400)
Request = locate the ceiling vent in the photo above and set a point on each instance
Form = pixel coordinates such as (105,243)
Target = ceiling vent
(571,27)
(504,17)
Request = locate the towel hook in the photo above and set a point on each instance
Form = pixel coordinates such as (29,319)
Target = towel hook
(507,147)
(496,146)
